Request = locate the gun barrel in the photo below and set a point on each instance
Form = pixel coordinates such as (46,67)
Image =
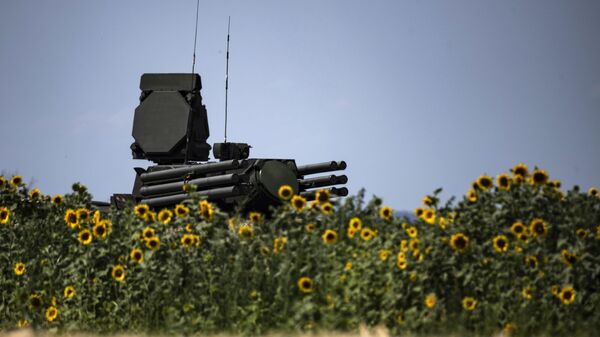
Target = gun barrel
(216,193)
(201,183)
(321,167)
(322,181)
(339,192)
(189,170)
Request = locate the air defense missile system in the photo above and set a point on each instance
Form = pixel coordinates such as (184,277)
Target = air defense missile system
(170,128)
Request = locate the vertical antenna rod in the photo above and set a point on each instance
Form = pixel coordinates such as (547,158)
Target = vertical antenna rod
(189,126)
(227,76)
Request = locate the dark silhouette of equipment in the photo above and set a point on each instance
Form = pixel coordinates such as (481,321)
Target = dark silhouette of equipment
(170,128)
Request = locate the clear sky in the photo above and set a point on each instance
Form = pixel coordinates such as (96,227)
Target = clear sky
(414,95)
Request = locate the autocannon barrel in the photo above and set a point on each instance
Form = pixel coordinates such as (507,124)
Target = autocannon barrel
(321,167)
(181,172)
(322,181)
(338,192)
(201,183)
(216,193)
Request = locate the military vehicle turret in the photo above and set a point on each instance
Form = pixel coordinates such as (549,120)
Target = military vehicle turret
(170,128)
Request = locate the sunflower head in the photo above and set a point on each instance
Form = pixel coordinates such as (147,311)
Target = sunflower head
(384,254)
(401,261)
(306,284)
(568,258)
(527,293)
(567,295)
(57,200)
(310,228)
(330,236)
(141,211)
(367,234)
(538,227)
(153,243)
(19,268)
(246,232)
(485,182)
(322,196)
(51,313)
(285,192)
(69,292)
(118,273)
(427,201)
(412,232)
(279,244)
(181,211)
(539,177)
(469,303)
(500,243)
(206,210)
(327,208)
(503,181)
(298,203)
(187,240)
(100,230)
(430,301)
(16,181)
(165,216)
(593,191)
(531,261)
(429,216)
(355,223)
(4,215)
(386,213)
(520,170)
(472,196)
(136,255)
(459,242)
(419,212)
(148,233)
(254,217)
(35,301)
(35,193)
(581,233)
(85,237)
(517,228)
(2,182)
(71,218)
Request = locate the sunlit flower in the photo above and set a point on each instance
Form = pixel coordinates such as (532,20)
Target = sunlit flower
(85,237)
(427,201)
(35,193)
(442,223)
(419,212)
(412,232)
(520,170)
(310,228)
(35,301)
(57,199)
(555,290)
(430,301)
(386,213)
(581,233)
(16,181)
(264,251)
(153,243)
(22,323)
(503,181)
(472,195)
(2,182)
(187,240)
(527,293)
(539,177)
(298,203)
(531,261)
(181,211)
(254,217)
(429,216)
(100,230)
(69,292)
(4,215)
(384,254)
(306,284)
(51,313)
(593,192)
(568,258)
(401,261)
(136,255)
(19,268)
(206,210)
(538,227)
(279,244)
(500,243)
(348,266)
(469,303)
(246,231)
(459,242)
(517,228)
(165,216)
(141,211)
(285,192)
(367,234)
(567,295)
(355,224)
(148,233)
(327,208)
(322,196)
(330,237)
(118,273)
(71,219)
(485,182)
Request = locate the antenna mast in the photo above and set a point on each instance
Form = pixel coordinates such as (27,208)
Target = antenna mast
(189,126)
(227,76)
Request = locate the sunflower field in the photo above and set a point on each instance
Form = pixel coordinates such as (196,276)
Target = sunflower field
(515,254)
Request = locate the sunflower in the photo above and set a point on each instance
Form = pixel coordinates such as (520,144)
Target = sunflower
(330,237)
(306,284)
(298,203)
(2,182)
(148,233)
(4,215)
(137,255)
(503,181)
(165,216)
(485,182)
(254,217)
(568,258)
(567,295)
(594,192)
(118,273)
(427,201)
(189,228)
(384,254)
(264,251)
(71,219)
(57,199)
(279,244)
(35,301)
(322,196)
(581,233)
(401,262)
(520,170)
(500,243)
(517,228)
(153,243)
(403,246)
(555,290)
(16,181)
(459,242)
(100,230)
(141,211)
(246,231)
(472,195)
(419,212)
(187,240)
(348,266)
(35,193)
(385,213)
(527,293)
(518,180)
(412,232)
(430,301)
(327,208)
(538,227)
(539,177)
(367,234)
(206,210)
(69,292)
(51,313)
(598,232)
(531,261)
(469,303)
(355,223)
(19,268)
(285,192)
(310,228)
(181,211)
(556,184)
(523,238)
(85,237)
(429,216)
(22,323)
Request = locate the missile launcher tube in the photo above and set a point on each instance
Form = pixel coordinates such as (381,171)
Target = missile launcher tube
(190,170)
(339,192)
(216,193)
(322,181)
(201,183)
(321,167)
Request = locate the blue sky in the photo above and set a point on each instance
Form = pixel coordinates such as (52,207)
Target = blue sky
(414,95)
